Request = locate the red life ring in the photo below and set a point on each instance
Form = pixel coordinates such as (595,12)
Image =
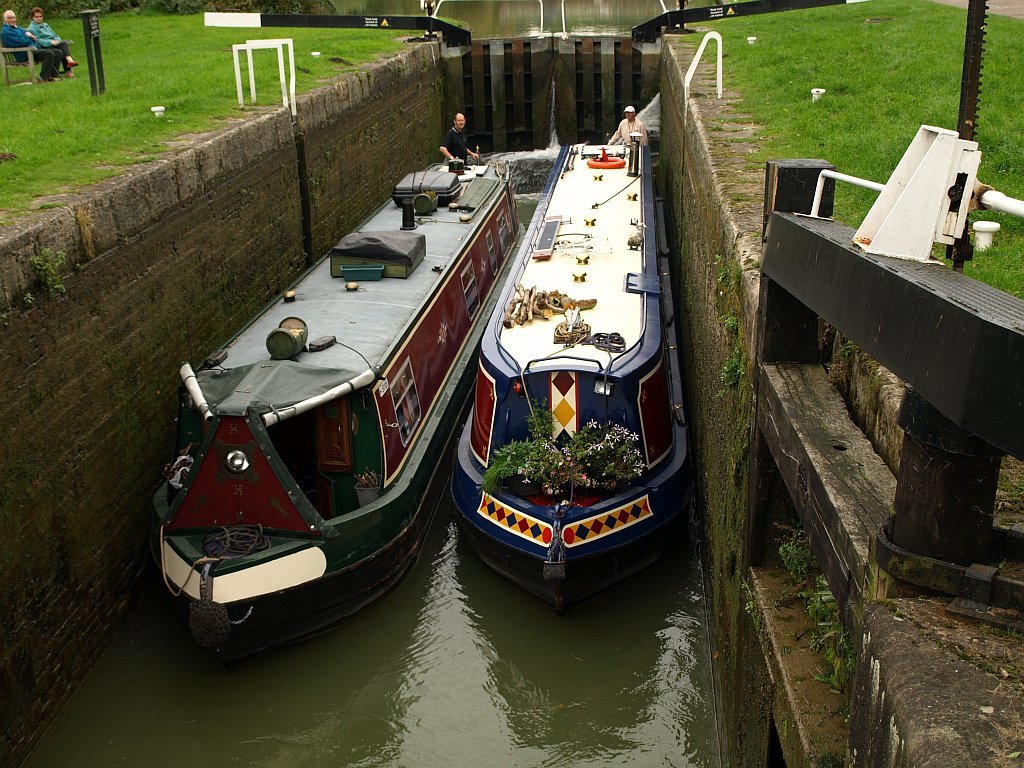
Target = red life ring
(606,162)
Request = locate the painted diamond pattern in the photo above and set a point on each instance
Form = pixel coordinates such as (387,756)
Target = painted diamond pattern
(512,520)
(563,381)
(607,523)
(564,413)
(564,396)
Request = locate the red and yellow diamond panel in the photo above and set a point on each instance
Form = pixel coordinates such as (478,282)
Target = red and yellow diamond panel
(607,523)
(574,535)
(515,521)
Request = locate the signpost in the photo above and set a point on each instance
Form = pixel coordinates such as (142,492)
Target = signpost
(91,32)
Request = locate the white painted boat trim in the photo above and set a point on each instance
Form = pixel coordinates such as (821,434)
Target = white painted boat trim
(272,576)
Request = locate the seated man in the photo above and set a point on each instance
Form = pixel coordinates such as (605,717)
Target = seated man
(14,36)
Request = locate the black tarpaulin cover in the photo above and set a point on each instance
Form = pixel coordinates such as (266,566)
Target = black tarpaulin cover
(405,248)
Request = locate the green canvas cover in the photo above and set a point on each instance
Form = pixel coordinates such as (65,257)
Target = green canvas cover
(267,386)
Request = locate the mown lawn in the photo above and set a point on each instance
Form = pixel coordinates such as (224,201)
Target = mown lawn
(888,67)
(62,137)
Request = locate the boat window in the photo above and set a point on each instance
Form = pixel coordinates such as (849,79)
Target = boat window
(407,401)
(491,253)
(469,287)
(504,231)
(334,436)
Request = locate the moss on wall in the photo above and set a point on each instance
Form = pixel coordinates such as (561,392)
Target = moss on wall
(163,265)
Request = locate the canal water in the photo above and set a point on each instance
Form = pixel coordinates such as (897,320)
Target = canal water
(520,18)
(457,667)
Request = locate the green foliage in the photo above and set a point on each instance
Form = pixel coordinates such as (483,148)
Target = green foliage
(796,555)
(596,456)
(506,462)
(47,265)
(874,103)
(63,137)
(828,636)
(733,368)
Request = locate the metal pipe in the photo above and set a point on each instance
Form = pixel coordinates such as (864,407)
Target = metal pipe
(826,174)
(188,378)
(696,60)
(364,379)
(997,201)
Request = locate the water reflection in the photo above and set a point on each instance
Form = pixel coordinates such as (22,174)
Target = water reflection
(457,667)
(517,18)
(618,680)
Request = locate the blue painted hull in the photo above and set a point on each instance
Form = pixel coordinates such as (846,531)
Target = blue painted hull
(566,547)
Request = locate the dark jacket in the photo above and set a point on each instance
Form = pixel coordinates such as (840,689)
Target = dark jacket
(16,37)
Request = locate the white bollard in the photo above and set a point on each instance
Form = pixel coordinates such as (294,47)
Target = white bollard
(984,231)
(751,40)
(817,93)
(157,111)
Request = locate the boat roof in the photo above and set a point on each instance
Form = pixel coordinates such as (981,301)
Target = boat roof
(590,213)
(367,322)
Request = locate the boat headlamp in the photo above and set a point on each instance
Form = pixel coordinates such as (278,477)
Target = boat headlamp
(237,462)
(604,387)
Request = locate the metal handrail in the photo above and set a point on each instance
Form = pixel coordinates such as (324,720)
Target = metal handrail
(827,174)
(696,60)
(990,199)
(437,10)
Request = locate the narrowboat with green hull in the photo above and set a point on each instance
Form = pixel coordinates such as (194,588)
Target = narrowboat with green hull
(312,447)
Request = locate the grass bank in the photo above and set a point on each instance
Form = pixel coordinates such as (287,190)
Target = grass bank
(55,137)
(888,67)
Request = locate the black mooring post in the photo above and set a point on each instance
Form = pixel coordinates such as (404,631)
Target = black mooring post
(789,188)
(787,331)
(94,56)
(945,487)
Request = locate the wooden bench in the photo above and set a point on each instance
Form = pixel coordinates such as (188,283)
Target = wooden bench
(9,62)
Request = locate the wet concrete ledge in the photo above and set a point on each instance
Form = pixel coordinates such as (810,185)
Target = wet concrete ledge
(929,688)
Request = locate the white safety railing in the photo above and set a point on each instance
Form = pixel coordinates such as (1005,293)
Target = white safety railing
(287,87)
(437,9)
(696,60)
(990,199)
(826,174)
(1000,203)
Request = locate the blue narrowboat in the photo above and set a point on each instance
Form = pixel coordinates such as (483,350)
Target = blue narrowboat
(574,469)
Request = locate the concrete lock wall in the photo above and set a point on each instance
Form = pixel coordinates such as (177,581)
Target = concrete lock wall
(163,264)
(715,281)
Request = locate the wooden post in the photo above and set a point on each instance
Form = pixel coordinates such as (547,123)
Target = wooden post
(945,487)
(789,188)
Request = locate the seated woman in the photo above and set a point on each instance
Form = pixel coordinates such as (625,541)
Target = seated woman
(47,38)
(14,36)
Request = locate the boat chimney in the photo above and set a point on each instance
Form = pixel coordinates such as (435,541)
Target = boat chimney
(634,155)
(408,214)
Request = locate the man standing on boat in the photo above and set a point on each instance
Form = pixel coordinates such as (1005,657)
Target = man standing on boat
(630,124)
(454,143)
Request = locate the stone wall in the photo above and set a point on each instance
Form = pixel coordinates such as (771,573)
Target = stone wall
(716,281)
(911,649)
(162,264)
